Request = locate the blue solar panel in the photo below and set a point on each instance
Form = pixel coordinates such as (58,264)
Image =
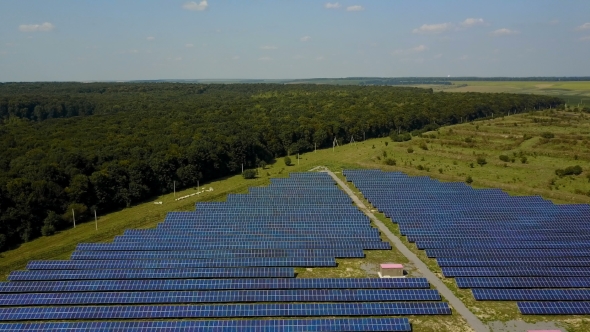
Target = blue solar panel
(211,284)
(180,263)
(515,271)
(196,254)
(554,308)
(486,294)
(236,245)
(523,282)
(228,296)
(497,253)
(260,272)
(225,310)
(539,262)
(267,325)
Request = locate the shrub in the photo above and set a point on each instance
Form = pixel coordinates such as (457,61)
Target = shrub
(481,161)
(390,162)
(440,170)
(384,153)
(504,158)
(523,159)
(468,140)
(386,143)
(249,174)
(423,146)
(526,137)
(287,161)
(373,146)
(469,179)
(410,150)
(570,170)
(420,167)
(401,137)
(471,165)
(547,135)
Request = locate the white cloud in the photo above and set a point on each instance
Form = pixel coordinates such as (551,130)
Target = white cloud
(355,8)
(585,26)
(438,56)
(192,5)
(36,27)
(268,47)
(265,58)
(189,45)
(471,22)
(417,49)
(586,38)
(150,38)
(334,5)
(503,32)
(433,28)
(305,38)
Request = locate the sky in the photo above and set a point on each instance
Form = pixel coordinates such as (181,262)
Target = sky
(89,40)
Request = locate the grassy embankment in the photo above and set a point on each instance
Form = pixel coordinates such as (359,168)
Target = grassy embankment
(450,155)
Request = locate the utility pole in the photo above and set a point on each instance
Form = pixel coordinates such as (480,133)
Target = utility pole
(198,186)
(95,220)
(315,147)
(297,158)
(242,167)
(74,218)
(174,188)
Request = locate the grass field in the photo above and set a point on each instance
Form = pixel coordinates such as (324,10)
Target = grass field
(573,93)
(449,154)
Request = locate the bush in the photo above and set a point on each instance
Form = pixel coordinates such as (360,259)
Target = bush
(547,135)
(390,162)
(440,170)
(523,159)
(386,143)
(481,161)
(423,146)
(287,161)
(420,167)
(249,174)
(384,153)
(469,179)
(504,158)
(410,150)
(468,140)
(401,137)
(47,230)
(570,170)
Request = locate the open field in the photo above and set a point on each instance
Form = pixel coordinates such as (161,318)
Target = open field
(449,154)
(572,92)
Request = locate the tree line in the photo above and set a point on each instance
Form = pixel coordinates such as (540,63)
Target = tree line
(106,146)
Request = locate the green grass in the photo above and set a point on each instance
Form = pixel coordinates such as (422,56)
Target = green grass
(451,149)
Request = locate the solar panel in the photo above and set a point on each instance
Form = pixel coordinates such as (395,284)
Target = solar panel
(267,325)
(225,310)
(496,253)
(261,272)
(485,294)
(226,296)
(197,254)
(211,284)
(554,308)
(515,271)
(523,282)
(180,263)
(235,245)
(482,261)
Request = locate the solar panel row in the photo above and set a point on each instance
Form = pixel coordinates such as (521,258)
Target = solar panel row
(211,284)
(224,310)
(267,325)
(231,296)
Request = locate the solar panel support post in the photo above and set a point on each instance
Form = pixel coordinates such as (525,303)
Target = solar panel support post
(74,218)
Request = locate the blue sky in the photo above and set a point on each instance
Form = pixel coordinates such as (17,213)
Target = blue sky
(61,40)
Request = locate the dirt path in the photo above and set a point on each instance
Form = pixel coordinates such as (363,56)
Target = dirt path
(459,307)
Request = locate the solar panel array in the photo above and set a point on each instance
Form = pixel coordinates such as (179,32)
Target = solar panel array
(504,248)
(226,260)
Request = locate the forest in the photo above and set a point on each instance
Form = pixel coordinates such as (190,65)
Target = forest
(106,146)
